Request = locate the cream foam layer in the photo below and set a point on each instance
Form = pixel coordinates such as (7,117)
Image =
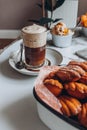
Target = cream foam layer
(34,40)
(32,29)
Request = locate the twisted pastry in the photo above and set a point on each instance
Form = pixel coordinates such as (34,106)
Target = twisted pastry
(70,106)
(67,74)
(78,69)
(83,65)
(85,62)
(54,86)
(83,79)
(82,117)
(75,89)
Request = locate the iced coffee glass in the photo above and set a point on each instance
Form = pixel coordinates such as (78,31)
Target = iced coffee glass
(34,40)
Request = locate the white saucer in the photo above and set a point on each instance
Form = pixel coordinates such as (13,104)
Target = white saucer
(53,57)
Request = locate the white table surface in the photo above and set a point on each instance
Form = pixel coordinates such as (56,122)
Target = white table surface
(18,110)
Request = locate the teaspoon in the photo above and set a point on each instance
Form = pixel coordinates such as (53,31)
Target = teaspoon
(20,64)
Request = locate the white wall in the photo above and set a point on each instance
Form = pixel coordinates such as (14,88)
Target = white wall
(14,14)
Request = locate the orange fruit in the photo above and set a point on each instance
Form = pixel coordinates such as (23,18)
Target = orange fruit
(83,18)
(85,24)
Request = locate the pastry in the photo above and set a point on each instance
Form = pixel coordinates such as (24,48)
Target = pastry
(85,62)
(54,86)
(64,89)
(70,106)
(83,65)
(83,79)
(52,75)
(77,69)
(76,89)
(66,74)
(82,117)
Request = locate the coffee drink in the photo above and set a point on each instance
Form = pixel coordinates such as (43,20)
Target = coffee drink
(34,39)
(35,56)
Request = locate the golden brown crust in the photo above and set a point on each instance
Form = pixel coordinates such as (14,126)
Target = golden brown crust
(54,86)
(82,117)
(85,62)
(70,106)
(75,89)
(52,75)
(83,65)
(65,108)
(66,74)
(83,79)
(77,69)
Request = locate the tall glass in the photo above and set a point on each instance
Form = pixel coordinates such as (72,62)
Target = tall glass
(34,40)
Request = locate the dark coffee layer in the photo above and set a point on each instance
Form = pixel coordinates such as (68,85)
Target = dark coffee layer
(35,56)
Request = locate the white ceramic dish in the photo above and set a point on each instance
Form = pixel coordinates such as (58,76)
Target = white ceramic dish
(62,41)
(54,120)
(53,58)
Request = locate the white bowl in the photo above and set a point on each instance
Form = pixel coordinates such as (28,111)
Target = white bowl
(84,31)
(62,41)
(49,106)
(53,119)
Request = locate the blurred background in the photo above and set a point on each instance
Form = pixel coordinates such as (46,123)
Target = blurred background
(14,14)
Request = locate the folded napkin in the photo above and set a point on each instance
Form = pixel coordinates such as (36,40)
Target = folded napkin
(82,53)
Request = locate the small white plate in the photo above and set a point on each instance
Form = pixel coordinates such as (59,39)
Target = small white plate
(53,57)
